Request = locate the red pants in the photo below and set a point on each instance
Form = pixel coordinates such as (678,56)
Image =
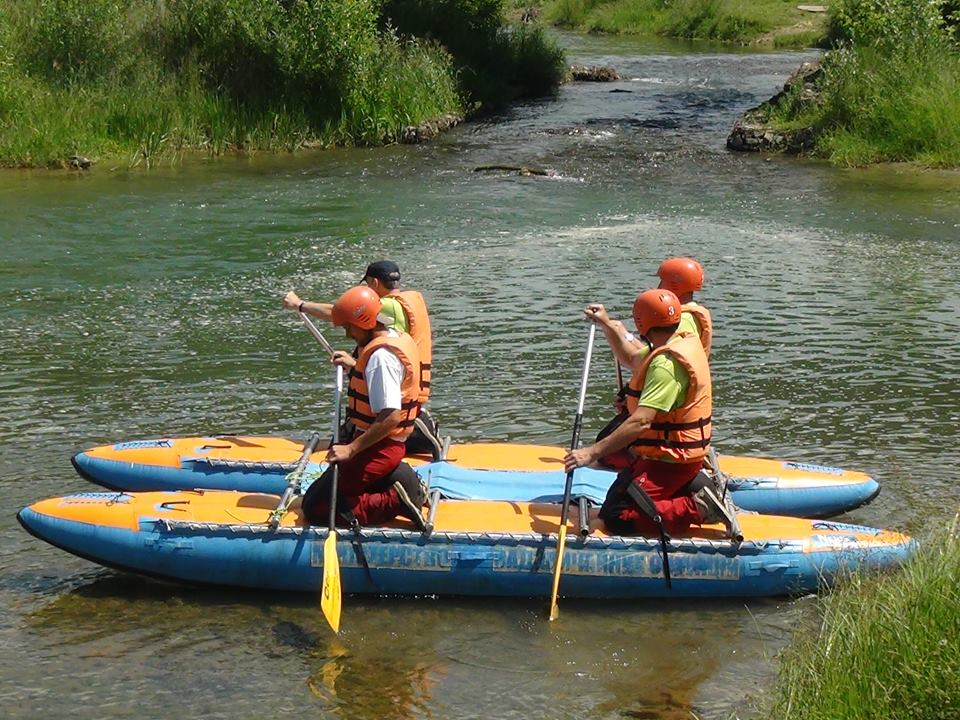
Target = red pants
(363,486)
(662,481)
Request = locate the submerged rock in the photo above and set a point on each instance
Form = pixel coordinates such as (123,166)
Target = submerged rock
(593,73)
(518,169)
(754,132)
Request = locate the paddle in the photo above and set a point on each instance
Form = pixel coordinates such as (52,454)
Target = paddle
(330,596)
(568,486)
(293,486)
(316,333)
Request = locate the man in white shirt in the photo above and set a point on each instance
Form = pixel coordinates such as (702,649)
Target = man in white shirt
(405,311)
(382,407)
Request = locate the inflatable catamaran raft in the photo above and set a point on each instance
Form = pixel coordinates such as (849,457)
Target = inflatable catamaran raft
(474,547)
(477,471)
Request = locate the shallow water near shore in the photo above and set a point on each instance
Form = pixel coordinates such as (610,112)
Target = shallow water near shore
(138,304)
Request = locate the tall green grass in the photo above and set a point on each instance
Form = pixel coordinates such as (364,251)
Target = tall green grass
(712,19)
(730,21)
(149,80)
(888,646)
(882,108)
(890,89)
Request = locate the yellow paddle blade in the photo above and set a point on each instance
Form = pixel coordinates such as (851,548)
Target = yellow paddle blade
(561,544)
(330,592)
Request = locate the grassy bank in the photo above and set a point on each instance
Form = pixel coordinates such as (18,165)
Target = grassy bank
(150,80)
(890,90)
(768,22)
(887,648)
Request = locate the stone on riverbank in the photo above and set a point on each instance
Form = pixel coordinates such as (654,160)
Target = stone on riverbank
(79,162)
(753,131)
(429,129)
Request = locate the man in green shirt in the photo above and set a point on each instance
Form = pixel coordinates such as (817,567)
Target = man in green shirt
(383,277)
(680,275)
(666,433)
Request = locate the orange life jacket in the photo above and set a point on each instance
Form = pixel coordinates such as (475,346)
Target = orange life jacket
(704,321)
(418,320)
(359,411)
(681,435)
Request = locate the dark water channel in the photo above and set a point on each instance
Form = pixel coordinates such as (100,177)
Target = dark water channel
(137,304)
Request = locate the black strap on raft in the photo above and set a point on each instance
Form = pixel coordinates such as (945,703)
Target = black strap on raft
(358,546)
(646,505)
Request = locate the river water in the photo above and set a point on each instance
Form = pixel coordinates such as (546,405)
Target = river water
(137,304)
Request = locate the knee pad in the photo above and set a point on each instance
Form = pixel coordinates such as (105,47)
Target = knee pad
(700,481)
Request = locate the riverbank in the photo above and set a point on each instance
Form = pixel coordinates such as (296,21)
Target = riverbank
(888,91)
(887,646)
(764,23)
(152,81)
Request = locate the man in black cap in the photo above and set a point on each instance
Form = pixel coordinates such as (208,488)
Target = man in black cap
(408,312)
(383,277)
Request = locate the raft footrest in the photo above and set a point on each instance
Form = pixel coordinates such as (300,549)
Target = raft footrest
(434,502)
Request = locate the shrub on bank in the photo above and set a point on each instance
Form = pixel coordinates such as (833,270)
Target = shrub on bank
(887,646)
(153,78)
(496,63)
(66,41)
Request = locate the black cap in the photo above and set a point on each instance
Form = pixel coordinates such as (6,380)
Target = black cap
(385,270)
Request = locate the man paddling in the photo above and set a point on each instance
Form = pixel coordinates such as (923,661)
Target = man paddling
(682,276)
(382,405)
(406,311)
(666,433)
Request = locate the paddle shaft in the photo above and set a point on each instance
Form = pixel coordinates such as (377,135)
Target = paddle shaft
(330,591)
(318,335)
(568,485)
(577,423)
(338,390)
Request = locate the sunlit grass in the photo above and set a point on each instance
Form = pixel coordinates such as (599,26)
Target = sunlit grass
(734,21)
(887,647)
(893,108)
(890,91)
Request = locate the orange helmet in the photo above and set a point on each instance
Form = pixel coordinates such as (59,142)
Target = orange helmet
(654,309)
(681,275)
(358,306)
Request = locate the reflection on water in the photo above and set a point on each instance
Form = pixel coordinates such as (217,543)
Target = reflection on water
(137,304)
(381,686)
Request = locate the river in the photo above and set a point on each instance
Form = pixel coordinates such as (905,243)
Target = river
(137,304)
